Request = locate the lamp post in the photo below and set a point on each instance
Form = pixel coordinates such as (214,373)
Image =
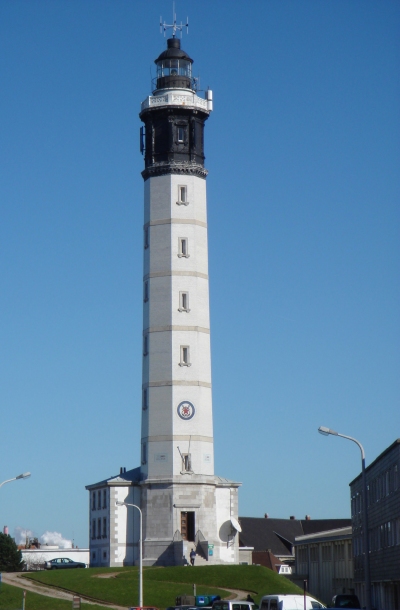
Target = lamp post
(25,475)
(367,578)
(140,550)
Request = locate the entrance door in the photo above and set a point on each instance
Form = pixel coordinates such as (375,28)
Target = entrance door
(188,526)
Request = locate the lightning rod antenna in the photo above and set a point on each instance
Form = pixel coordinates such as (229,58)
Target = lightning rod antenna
(175,27)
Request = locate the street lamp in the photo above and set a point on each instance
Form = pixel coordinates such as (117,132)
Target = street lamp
(140,551)
(367,578)
(25,475)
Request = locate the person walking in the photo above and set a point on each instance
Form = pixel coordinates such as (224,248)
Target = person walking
(192,557)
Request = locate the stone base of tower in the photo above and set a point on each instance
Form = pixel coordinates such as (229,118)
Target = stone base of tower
(189,512)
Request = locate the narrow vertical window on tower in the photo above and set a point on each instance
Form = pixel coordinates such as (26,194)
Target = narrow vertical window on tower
(181,134)
(145,345)
(182,195)
(146,292)
(145,399)
(104,498)
(183,247)
(99,528)
(185,356)
(146,237)
(183,301)
(144,453)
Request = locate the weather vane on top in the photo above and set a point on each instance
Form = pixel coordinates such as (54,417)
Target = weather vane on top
(174,27)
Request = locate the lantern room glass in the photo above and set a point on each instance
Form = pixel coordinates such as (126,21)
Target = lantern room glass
(174,67)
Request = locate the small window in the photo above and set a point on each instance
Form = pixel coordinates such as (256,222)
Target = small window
(183,301)
(387,483)
(99,498)
(146,238)
(94,500)
(144,453)
(104,498)
(185,356)
(98,528)
(145,399)
(146,292)
(104,554)
(183,247)
(182,195)
(145,345)
(181,134)
(93,529)
(104,527)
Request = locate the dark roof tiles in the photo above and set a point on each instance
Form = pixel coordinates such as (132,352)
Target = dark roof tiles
(278,534)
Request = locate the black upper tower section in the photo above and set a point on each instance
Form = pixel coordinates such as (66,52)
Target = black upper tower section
(174,118)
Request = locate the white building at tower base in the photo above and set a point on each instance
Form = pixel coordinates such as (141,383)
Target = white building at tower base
(114,529)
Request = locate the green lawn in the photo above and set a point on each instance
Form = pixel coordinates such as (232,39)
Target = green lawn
(11,599)
(162,585)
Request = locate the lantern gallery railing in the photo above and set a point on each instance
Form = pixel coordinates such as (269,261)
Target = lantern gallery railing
(174,99)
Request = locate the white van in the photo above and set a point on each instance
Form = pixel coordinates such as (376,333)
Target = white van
(237,604)
(289,602)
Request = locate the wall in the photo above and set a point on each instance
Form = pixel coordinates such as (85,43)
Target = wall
(35,558)
(383,504)
(326,561)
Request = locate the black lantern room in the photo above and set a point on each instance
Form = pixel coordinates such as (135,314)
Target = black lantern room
(174,118)
(174,67)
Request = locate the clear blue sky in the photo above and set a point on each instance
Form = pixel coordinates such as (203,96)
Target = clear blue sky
(303,153)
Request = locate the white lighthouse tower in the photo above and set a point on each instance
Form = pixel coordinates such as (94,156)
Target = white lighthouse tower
(184,505)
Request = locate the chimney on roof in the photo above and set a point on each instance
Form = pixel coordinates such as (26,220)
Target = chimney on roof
(308,517)
(266,516)
(122,470)
(292,517)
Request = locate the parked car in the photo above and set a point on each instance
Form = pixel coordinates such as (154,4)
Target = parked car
(289,602)
(346,601)
(62,563)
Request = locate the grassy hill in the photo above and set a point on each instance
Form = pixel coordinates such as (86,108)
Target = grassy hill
(162,585)
(11,599)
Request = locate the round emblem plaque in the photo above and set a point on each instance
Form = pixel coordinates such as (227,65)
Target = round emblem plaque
(186,410)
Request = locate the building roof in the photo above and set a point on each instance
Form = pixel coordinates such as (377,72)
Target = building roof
(340,533)
(267,559)
(380,456)
(278,535)
(126,477)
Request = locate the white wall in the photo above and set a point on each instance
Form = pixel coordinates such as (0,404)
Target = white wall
(35,557)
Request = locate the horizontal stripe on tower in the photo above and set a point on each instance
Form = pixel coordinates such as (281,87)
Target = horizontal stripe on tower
(162,329)
(160,384)
(177,437)
(175,221)
(148,276)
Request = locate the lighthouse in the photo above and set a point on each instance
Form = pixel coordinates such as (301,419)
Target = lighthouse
(183,504)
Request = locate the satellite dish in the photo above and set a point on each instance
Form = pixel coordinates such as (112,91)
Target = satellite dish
(235,524)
